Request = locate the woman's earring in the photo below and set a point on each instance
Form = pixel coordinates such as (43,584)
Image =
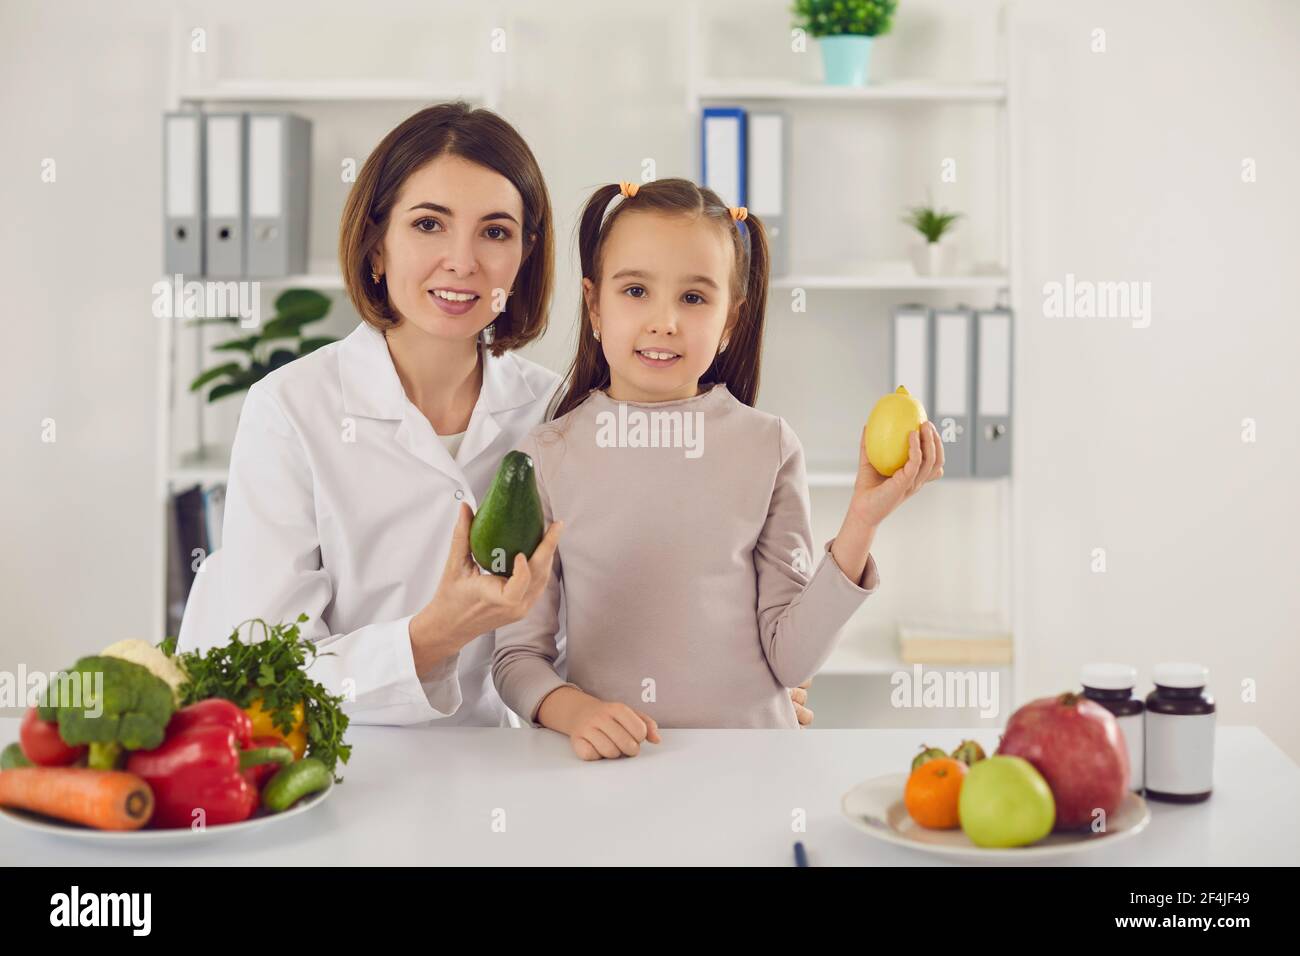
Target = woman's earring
(595,334)
(374,277)
(722,348)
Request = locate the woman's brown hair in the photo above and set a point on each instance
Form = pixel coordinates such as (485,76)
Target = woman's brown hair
(482,137)
(738,366)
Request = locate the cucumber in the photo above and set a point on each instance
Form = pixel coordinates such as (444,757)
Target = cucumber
(13,757)
(509,521)
(295,781)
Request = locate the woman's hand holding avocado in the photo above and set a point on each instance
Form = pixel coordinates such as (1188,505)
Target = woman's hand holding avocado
(469,603)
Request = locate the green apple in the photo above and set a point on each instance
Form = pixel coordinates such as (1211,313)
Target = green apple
(1005,802)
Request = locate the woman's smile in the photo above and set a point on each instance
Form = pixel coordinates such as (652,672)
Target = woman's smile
(454,301)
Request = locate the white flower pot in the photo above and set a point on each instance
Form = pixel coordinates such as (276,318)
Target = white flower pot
(935,258)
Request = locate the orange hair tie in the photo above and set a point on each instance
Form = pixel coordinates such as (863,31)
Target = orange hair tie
(628,189)
(738,213)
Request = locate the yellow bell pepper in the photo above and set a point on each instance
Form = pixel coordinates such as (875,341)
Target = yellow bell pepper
(264,726)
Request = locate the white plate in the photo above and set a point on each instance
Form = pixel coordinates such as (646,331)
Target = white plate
(876,808)
(42,824)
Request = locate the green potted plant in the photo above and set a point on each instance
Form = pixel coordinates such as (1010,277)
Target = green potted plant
(279,341)
(937,254)
(843,29)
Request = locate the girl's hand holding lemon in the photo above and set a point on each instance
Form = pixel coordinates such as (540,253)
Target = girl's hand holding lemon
(900,451)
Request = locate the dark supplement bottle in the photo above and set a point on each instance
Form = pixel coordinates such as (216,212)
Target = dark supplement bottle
(1111,685)
(1180,735)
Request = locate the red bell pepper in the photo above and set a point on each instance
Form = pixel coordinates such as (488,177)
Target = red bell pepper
(224,713)
(214,710)
(42,744)
(200,766)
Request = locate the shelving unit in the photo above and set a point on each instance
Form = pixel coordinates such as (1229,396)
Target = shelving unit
(864,656)
(876,276)
(192,87)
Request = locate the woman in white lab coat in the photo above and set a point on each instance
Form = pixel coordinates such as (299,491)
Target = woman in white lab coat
(354,469)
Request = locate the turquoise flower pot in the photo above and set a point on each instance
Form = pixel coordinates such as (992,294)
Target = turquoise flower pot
(845,59)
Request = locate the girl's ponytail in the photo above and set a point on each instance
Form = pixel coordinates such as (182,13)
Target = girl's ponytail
(738,366)
(593,214)
(588,370)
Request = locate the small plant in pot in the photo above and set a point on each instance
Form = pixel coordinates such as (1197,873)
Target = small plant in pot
(936,256)
(844,29)
(279,341)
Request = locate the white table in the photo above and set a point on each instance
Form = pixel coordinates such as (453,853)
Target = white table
(427,795)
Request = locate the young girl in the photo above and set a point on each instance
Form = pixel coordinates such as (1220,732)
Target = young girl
(686,581)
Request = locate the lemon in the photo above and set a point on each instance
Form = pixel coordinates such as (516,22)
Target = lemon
(895,417)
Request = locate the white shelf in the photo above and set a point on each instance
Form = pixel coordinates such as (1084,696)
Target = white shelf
(332,91)
(309,280)
(209,466)
(306,280)
(890,280)
(863,655)
(890,92)
(851,659)
(832,478)
(845,477)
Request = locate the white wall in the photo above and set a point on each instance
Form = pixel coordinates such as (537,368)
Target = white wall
(1128,167)
(80,84)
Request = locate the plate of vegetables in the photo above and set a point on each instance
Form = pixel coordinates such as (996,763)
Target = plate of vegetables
(138,743)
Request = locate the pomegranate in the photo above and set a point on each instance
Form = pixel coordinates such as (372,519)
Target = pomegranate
(1077,745)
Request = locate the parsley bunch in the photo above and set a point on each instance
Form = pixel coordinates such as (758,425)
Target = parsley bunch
(274,669)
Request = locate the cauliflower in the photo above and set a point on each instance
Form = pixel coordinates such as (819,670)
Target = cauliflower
(153,660)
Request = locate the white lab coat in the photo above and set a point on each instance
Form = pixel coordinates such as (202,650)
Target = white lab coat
(340,503)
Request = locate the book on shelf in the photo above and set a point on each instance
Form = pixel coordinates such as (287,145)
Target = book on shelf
(930,642)
(194,532)
(214,511)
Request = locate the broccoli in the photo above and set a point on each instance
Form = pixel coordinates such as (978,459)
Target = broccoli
(132,713)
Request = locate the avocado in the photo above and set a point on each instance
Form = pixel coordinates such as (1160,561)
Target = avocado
(509,521)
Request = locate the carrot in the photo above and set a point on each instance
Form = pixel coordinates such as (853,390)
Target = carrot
(103,799)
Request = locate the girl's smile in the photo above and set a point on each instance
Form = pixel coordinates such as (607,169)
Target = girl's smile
(658,358)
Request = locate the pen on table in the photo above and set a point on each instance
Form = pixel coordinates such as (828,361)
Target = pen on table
(800,854)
